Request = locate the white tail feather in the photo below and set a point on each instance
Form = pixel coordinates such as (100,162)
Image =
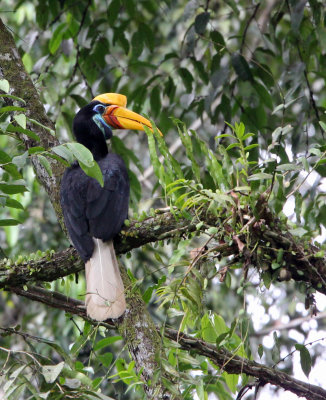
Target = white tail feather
(105,292)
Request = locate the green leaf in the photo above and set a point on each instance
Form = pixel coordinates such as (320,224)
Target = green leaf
(305,358)
(228,280)
(4,85)
(251,146)
(260,350)
(218,40)
(113,12)
(288,167)
(170,89)
(276,352)
(42,14)
(20,161)
(263,94)
(155,162)
(241,67)
(155,100)
(33,121)
(323,125)
(231,380)
(12,188)
(21,120)
(35,150)
(201,391)
(298,206)
(259,176)
(4,157)
(199,67)
(187,79)
(232,145)
(27,132)
(106,342)
(137,44)
(207,330)
(12,203)
(28,62)
(9,222)
(94,171)
(148,294)
(10,96)
(13,171)
(11,108)
(120,36)
(187,143)
(201,22)
(63,152)
(81,153)
(277,108)
(212,328)
(51,372)
(44,161)
(81,101)
(106,359)
(56,38)
(148,35)
(275,265)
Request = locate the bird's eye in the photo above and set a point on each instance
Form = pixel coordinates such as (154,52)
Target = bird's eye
(99,108)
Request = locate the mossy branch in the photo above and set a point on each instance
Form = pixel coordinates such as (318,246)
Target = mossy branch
(221,357)
(12,69)
(302,261)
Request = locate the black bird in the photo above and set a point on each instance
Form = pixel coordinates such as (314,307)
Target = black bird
(94,215)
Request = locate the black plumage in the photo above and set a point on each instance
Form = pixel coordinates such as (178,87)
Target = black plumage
(89,209)
(92,211)
(94,215)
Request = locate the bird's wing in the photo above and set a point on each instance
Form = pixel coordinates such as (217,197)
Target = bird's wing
(91,210)
(107,207)
(73,203)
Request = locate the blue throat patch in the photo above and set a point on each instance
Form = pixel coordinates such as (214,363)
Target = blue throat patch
(99,121)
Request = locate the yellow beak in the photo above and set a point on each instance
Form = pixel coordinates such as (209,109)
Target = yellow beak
(118,116)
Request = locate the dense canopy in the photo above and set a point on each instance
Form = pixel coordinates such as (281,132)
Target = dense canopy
(223,254)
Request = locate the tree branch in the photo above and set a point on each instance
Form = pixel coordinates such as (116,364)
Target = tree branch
(223,358)
(234,364)
(21,85)
(302,262)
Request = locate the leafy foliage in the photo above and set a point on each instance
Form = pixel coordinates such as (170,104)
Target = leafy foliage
(249,82)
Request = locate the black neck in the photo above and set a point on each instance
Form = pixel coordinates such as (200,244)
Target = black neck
(89,134)
(94,142)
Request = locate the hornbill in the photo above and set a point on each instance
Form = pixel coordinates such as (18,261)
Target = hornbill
(94,215)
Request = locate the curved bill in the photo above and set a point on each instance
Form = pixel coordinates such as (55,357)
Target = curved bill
(122,118)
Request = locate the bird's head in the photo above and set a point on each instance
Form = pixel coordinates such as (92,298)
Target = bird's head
(93,123)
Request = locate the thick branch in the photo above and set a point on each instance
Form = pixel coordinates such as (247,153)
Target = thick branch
(234,364)
(21,85)
(227,361)
(301,264)
(136,326)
